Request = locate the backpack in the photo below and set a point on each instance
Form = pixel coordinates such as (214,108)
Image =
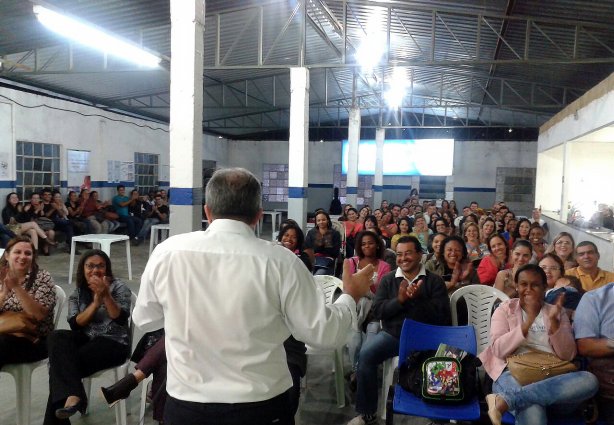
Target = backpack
(442,380)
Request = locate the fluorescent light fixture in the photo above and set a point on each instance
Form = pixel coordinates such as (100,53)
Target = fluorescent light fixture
(90,36)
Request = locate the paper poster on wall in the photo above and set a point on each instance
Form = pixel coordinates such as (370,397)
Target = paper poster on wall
(78,169)
(5,166)
(120,171)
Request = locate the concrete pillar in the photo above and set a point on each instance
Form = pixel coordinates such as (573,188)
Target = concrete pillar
(565,186)
(298,177)
(353,140)
(186,116)
(378,178)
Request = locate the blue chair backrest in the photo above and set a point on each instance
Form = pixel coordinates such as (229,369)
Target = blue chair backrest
(421,336)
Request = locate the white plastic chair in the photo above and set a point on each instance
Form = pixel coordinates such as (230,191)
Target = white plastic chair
(330,287)
(144,387)
(22,372)
(119,372)
(480,300)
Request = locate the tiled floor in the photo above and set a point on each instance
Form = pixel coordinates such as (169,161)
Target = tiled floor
(318,404)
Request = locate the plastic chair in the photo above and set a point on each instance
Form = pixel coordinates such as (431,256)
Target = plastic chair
(22,372)
(422,336)
(331,286)
(119,372)
(480,300)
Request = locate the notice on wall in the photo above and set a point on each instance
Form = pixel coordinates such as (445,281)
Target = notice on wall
(120,171)
(5,166)
(78,169)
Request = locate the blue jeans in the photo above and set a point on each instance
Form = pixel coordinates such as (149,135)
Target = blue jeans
(133,225)
(373,352)
(357,340)
(144,232)
(564,393)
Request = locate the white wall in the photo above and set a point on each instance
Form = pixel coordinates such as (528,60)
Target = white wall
(475,167)
(106,135)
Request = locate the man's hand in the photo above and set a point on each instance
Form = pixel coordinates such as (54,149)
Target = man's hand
(409,292)
(358,284)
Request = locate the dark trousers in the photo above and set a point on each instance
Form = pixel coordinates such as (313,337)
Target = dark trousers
(154,361)
(65,226)
(72,357)
(133,224)
(274,411)
(294,393)
(14,349)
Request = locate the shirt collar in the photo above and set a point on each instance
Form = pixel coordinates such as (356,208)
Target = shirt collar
(229,225)
(421,273)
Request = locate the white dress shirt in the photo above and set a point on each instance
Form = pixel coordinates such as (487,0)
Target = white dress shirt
(228,301)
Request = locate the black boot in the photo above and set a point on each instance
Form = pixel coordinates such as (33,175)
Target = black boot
(119,390)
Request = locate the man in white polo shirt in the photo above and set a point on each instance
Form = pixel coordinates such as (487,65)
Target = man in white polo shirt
(227,301)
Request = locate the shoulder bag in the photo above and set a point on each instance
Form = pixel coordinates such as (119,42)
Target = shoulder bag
(536,365)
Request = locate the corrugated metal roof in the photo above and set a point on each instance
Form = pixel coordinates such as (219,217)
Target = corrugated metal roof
(467,60)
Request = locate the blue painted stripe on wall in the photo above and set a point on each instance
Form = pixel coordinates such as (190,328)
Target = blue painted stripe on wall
(7,184)
(377,188)
(63,184)
(397,187)
(475,189)
(186,196)
(352,190)
(102,184)
(164,184)
(297,192)
(321,185)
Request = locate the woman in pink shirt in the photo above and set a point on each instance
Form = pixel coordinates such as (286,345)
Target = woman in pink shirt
(524,324)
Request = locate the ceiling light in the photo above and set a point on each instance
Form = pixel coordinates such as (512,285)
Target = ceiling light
(90,36)
(398,85)
(509,130)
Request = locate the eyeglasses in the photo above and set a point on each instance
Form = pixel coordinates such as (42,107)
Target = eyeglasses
(550,268)
(567,243)
(91,266)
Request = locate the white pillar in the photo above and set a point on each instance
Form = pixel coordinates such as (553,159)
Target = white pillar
(378,178)
(298,145)
(353,139)
(565,184)
(186,116)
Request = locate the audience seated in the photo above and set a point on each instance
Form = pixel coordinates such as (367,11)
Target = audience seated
(564,247)
(35,212)
(157,214)
(421,231)
(57,212)
(524,324)
(98,313)
(409,292)
(370,249)
(403,229)
(121,203)
(323,244)
(18,222)
(496,261)
(552,265)
(453,265)
(352,227)
(594,331)
(520,255)
(81,225)
(27,300)
(471,235)
(588,271)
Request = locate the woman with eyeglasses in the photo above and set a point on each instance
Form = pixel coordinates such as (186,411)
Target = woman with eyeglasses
(564,247)
(552,265)
(98,339)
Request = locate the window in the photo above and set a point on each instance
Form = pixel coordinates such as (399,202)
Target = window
(38,167)
(275,182)
(365,190)
(145,172)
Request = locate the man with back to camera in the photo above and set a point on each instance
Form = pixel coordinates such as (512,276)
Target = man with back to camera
(588,271)
(409,292)
(227,301)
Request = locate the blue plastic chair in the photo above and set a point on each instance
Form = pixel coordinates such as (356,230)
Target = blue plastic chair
(421,336)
